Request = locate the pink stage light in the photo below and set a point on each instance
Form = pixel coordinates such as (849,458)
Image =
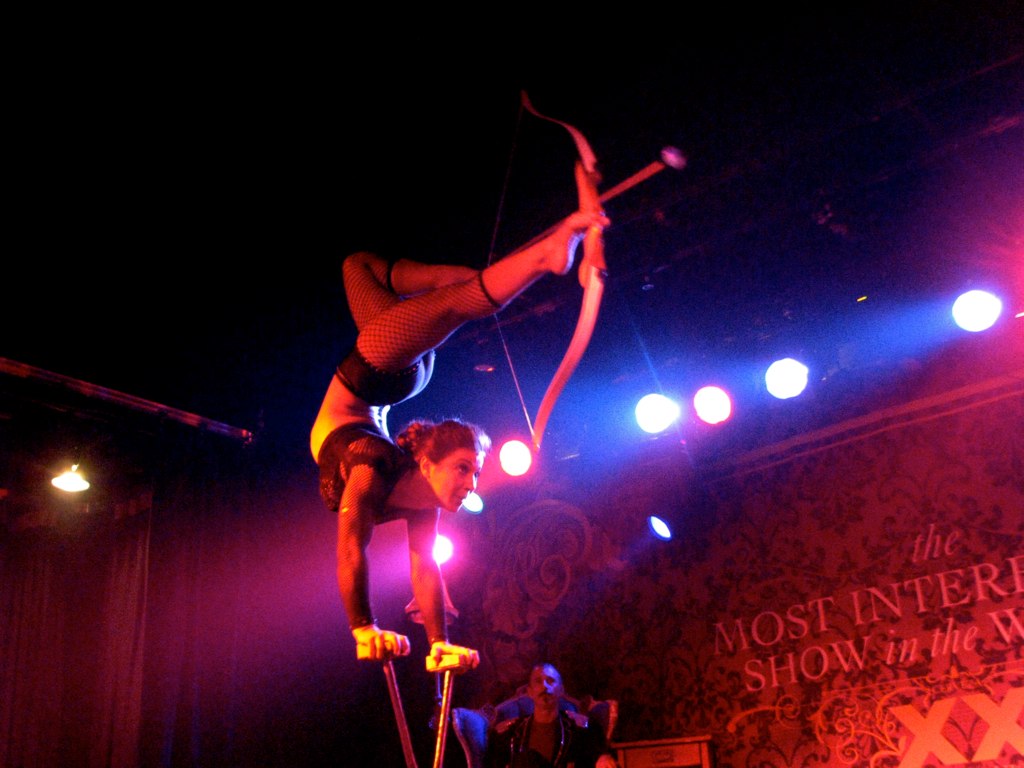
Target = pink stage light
(712,405)
(515,458)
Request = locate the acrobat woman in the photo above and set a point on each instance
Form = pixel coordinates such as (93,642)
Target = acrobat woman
(403,311)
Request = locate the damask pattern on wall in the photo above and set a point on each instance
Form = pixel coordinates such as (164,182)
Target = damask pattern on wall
(853,600)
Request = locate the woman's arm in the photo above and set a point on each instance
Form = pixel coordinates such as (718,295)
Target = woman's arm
(362,494)
(425,573)
(428,589)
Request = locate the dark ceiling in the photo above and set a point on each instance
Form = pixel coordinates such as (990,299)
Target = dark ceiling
(185,217)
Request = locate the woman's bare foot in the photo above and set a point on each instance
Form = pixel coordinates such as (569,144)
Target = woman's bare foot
(548,254)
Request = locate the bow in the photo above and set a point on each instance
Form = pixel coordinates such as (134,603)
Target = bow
(592,273)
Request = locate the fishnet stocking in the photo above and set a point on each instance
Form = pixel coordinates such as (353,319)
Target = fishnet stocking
(393,332)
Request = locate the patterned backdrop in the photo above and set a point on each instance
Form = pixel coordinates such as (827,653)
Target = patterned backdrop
(850,598)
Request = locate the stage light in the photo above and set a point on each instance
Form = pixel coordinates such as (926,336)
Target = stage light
(443,549)
(473,503)
(656,413)
(71,481)
(786,378)
(712,404)
(515,458)
(659,528)
(976,310)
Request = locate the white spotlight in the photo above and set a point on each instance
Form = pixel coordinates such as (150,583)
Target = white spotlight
(976,310)
(655,413)
(443,549)
(786,378)
(659,528)
(473,503)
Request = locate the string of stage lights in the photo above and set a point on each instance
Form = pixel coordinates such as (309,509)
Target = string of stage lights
(784,379)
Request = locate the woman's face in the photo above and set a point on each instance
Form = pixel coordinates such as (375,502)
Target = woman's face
(454,476)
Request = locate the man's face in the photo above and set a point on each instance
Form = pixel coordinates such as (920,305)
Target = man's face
(545,688)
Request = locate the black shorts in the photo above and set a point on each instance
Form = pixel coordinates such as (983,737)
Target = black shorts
(378,387)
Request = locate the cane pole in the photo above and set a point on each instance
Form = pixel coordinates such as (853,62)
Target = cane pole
(396,705)
(449,665)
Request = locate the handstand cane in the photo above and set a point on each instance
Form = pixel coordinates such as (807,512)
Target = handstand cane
(448,664)
(442,725)
(396,704)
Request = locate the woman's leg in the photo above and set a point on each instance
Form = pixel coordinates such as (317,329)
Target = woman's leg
(409,278)
(404,330)
(401,335)
(372,284)
(365,275)
(394,331)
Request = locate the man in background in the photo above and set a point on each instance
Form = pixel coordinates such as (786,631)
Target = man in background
(548,738)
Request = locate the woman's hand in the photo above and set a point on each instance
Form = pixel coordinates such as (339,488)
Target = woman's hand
(569,234)
(376,644)
(447,656)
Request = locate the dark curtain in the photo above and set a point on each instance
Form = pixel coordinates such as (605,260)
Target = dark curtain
(73,582)
(31,650)
(121,613)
